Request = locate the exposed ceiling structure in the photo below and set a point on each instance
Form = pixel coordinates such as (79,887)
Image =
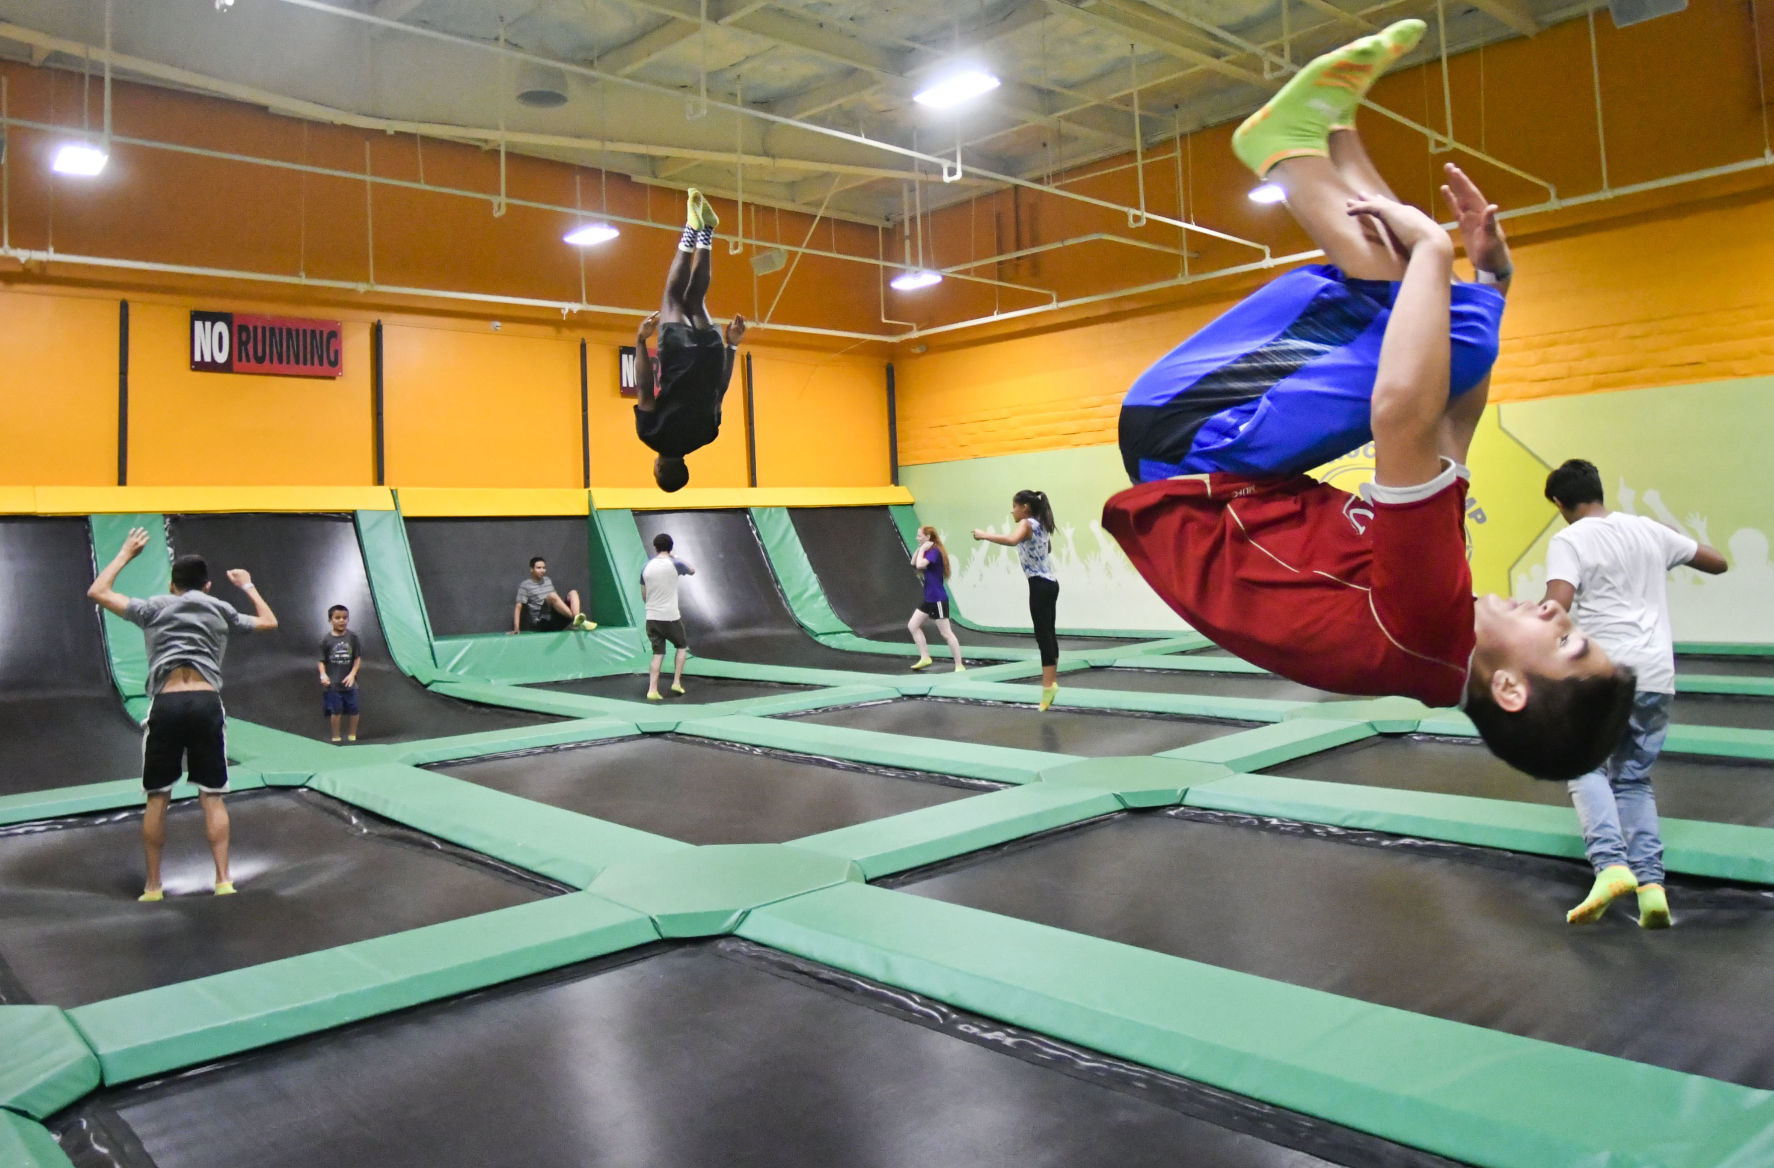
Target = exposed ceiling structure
(801,104)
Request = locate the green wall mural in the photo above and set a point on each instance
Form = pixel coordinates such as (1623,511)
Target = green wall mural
(1686,455)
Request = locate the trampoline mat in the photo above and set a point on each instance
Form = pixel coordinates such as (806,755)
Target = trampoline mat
(721,1053)
(733,607)
(1702,709)
(1688,786)
(1461,933)
(61,720)
(865,570)
(469,569)
(703,794)
(312,872)
(1059,731)
(632,687)
(306,564)
(1731,665)
(1188,681)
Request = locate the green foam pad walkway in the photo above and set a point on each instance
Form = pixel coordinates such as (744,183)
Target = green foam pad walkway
(1135,780)
(1721,683)
(1000,764)
(1085,698)
(24,1144)
(560,844)
(90,797)
(928,835)
(705,892)
(193,1022)
(1475,1095)
(46,1064)
(1166,664)
(430,750)
(1263,747)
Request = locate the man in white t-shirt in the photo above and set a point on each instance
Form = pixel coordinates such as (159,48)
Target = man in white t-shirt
(1609,570)
(659,588)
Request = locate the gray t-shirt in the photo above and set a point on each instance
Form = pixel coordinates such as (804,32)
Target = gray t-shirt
(533,595)
(186,628)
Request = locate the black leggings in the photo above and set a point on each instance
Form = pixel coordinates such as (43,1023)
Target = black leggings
(1043,606)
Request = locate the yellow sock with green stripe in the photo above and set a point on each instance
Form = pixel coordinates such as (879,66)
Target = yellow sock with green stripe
(1611,883)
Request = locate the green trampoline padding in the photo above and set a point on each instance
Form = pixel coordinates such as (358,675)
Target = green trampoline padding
(25,1144)
(1135,780)
(1084,698)
(1461,1091)
(161,1030)
(556,843)
(111,796)
(794,572)
(47,1064)
(707,891)
(997,763)
(149,574)
(1263,747)
(1168,664)
(1724,683)
(394,584)
(534,657)
(931,834)
(461,746)
(1726,741)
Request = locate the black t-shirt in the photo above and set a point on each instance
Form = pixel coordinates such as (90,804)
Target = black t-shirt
(337,654)
(694,369)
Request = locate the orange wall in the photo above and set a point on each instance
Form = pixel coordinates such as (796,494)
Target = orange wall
(58,389)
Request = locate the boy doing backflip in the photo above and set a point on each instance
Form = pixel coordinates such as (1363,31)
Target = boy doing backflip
(187,633)
(680,411)
(1367,594)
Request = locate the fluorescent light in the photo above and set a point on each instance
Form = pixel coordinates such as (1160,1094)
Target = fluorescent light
(1268,193)
(955,89)
(81,158)
(911,281)
(590,234)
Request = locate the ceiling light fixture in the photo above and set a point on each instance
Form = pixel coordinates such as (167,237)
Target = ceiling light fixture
(1268,193)
(591,234)
(956,88)
(914,279)
(79,158)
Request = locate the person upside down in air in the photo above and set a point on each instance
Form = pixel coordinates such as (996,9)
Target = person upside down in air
(1366,594)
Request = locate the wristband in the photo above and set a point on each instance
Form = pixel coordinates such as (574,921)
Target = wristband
(1501,277)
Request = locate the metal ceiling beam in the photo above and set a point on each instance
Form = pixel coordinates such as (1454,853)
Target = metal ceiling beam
(1513,14)
(626,58)
(824,97)
(1144,26)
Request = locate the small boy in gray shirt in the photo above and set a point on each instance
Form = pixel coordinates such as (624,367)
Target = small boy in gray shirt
(186,632)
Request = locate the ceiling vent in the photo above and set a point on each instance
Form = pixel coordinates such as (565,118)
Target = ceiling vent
(541,86)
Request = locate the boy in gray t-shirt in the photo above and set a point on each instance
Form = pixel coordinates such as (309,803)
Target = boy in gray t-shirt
(539,607)
(186,632)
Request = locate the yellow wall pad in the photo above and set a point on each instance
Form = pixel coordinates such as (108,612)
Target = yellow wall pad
(18,500)
(703,499)
(189,500)
(491,502)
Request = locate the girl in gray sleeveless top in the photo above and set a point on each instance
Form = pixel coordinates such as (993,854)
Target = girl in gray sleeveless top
(1032,537)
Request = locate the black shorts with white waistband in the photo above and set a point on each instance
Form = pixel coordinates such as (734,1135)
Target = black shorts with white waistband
(186,731)
(935,609)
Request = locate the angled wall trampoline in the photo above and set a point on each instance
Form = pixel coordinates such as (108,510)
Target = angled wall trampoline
(816,917)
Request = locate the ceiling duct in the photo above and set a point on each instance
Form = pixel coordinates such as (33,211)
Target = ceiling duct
(540,86)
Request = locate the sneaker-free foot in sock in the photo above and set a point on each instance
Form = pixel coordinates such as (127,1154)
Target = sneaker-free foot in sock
(653,696)
(921,663)
(1653,907)
(151,895)
(351,738)
(337,740)
(1611,883)
(677,687)
(692,208)
(707,219)
(1048,693)
(224,888)
(1323,96)
(584,623)
(960,667)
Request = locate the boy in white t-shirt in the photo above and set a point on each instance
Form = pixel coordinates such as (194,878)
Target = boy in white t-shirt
(1609,570)
(659,588)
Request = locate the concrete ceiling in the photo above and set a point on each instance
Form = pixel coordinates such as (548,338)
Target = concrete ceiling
(803,103)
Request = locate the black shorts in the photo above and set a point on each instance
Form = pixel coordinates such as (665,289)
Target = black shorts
(686,349)
(551,621)
(935,609)
(186,730)
(659,632)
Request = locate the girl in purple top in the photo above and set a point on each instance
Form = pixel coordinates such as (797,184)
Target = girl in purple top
(932,561)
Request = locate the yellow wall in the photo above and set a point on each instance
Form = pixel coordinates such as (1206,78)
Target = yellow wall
(821,419)
(190,428)
(58,389)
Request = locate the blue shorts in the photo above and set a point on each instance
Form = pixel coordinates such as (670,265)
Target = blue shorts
(340,701)
(1284,381)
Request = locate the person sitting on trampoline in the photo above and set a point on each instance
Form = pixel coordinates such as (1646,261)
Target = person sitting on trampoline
(539,607)
(1610,570)
(932,561)
(341,655)
(659,591)
(682,412)
(186,632)
(1368,594)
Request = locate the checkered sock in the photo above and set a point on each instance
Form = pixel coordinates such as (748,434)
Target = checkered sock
(705,237)
(687,241)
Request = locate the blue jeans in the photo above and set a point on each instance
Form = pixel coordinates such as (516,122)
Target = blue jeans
(1614,802)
